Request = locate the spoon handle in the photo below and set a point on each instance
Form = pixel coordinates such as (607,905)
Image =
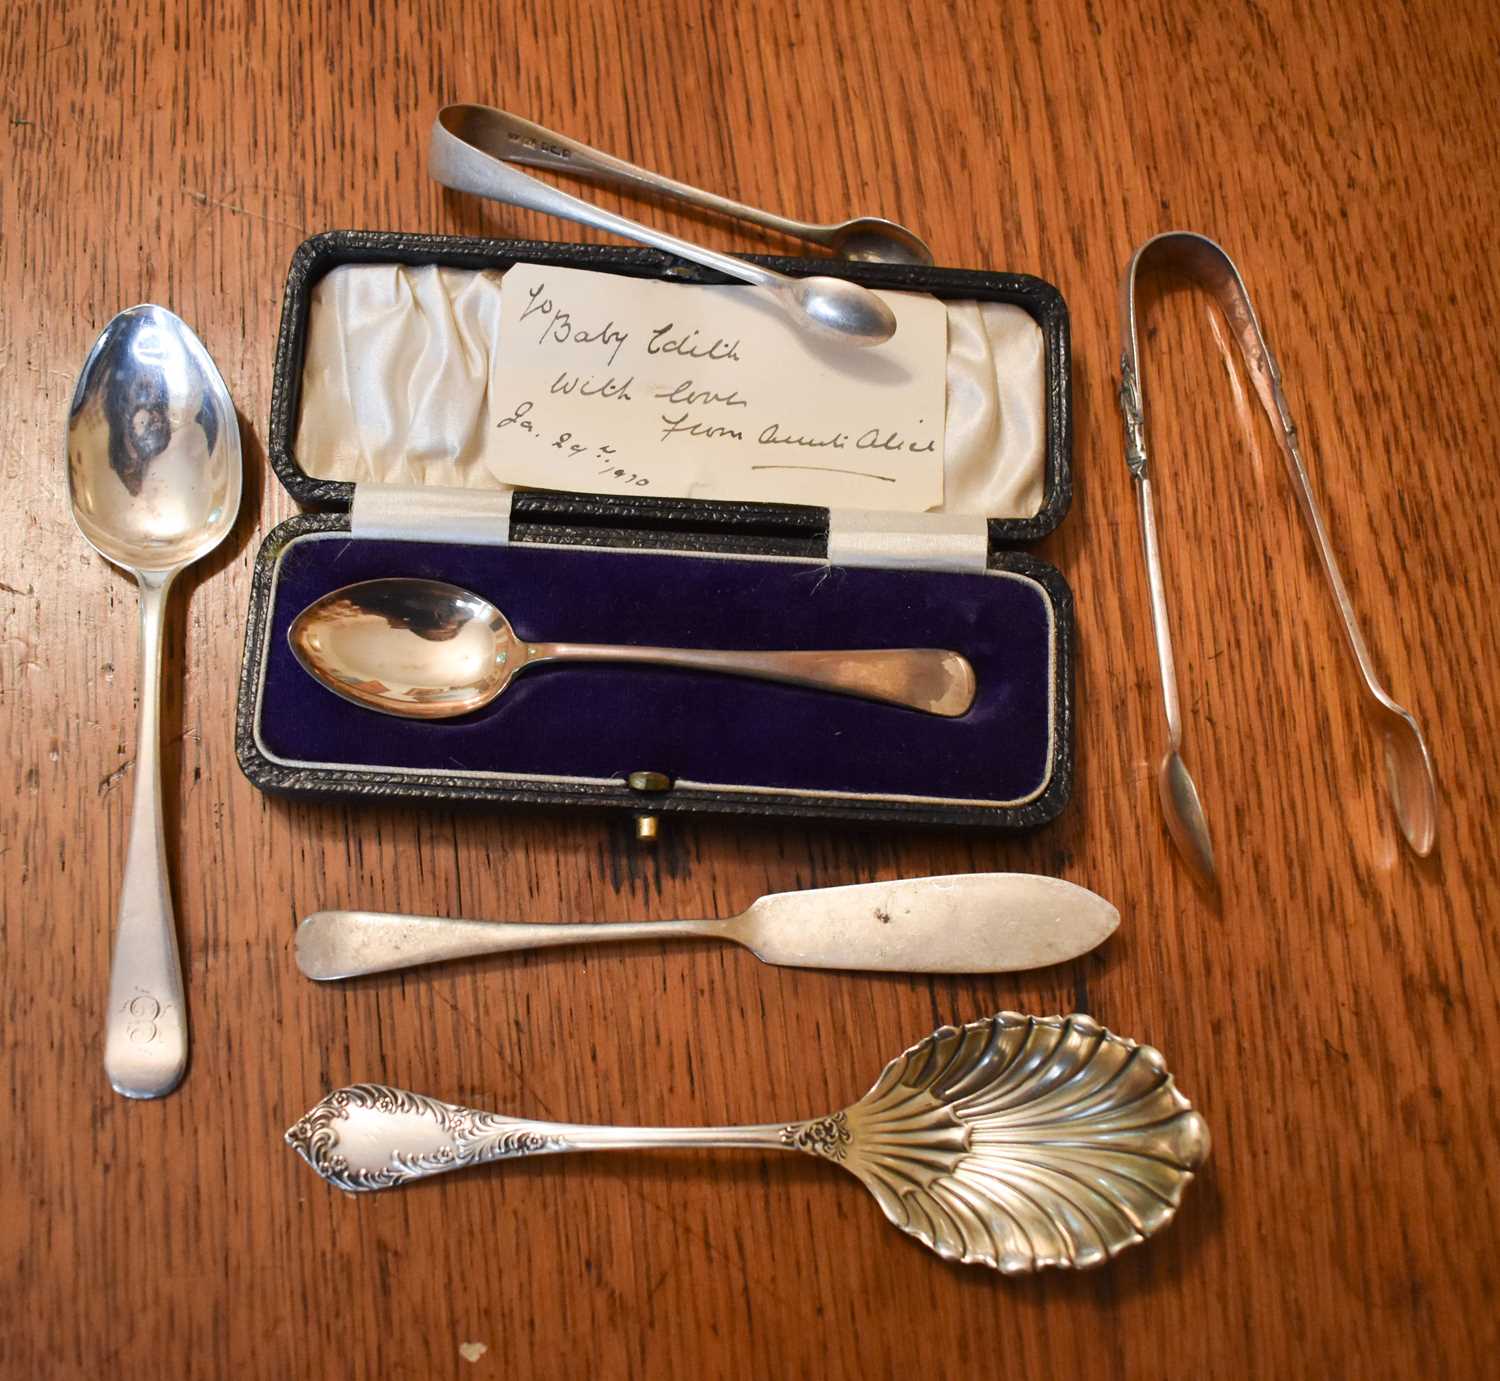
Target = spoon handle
(348,944)
(145,1048)
(369,1136)
(933,680)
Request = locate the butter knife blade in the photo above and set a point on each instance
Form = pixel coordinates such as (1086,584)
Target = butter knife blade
(968,923)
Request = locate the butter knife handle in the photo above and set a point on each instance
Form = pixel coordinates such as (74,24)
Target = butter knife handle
(348,944)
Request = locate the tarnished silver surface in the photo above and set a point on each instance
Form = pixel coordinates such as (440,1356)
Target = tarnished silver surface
(508,137)
(473,145)
(1014,1142)
(154,475)
(1412,781)
(972,923)
(424,649)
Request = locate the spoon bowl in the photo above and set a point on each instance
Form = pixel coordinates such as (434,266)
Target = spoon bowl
(420,649)
(154,469)
(839,310)
(425,649)
(1186,822)
(154,478)
(1409,773)
(875,240)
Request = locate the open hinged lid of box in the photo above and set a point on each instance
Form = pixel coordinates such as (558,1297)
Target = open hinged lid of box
(385,380)
(385,416)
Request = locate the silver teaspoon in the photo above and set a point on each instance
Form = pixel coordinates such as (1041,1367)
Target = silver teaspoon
(468,149)
(971,923)
(424,649)
(1014,1142)
(505,136)
(154,474)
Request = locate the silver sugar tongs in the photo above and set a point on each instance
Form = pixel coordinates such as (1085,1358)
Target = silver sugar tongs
(473,145)
(1413,785)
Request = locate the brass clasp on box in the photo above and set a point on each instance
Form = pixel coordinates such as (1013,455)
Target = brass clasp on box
(646,825)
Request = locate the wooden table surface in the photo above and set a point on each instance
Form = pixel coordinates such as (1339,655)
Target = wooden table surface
(1334,1020)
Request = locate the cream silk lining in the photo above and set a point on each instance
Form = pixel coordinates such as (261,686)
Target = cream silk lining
(396,388)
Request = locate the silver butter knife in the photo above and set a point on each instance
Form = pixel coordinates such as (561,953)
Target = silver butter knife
(970,923)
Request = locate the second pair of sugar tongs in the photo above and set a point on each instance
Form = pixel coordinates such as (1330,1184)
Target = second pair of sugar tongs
(473,147)
(1413,785)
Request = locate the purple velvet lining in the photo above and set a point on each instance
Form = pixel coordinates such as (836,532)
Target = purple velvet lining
(608,721)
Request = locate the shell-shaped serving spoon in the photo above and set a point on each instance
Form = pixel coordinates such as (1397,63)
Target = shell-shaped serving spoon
(1014,1142)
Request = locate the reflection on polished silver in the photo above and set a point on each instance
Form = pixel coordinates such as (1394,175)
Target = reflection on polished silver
(1413,784)
(1014,1142)
(972,923)
(473,145)
(424,649)
(154,476)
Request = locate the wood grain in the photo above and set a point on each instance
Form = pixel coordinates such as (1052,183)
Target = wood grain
(1335,1020)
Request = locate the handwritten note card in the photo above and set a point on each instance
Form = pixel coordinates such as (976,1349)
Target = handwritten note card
(631,386)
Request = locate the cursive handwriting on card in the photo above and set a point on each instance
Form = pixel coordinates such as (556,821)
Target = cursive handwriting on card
(557,325)
(572,450)
(615,385)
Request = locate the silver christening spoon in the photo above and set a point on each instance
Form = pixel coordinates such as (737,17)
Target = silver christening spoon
(154,475)
(1014,1142)
(425,649)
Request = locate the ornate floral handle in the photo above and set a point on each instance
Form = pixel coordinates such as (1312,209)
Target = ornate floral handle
(368,1136)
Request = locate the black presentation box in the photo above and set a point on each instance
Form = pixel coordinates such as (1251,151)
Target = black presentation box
(681,573)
